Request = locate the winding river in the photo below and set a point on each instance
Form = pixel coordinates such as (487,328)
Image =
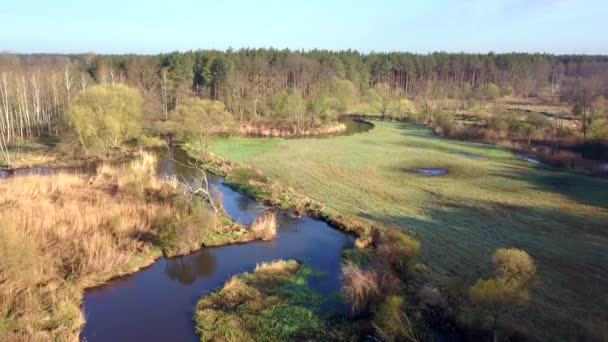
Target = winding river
(157,303)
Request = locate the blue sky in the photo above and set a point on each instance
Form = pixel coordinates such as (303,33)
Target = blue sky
(151,26)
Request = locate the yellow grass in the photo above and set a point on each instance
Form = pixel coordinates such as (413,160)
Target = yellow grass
(62,233)
(265,226)
(277,266)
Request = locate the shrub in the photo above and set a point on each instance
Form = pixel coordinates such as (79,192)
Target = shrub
(180,236)
(360,287)
(391,321)
(514,265)
(359,256)
(508,90)
(196,119)
(508,290)
(444,121)
(492,92)
(467,92)
(598,129)
(150,142)
(399,250)
(497,123)
(168,235)
(431,297)
(166,128)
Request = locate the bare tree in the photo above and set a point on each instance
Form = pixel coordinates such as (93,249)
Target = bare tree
(163,73)
(198,186)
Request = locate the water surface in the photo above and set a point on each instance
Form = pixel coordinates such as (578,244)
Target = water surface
(157,303)
(431,171)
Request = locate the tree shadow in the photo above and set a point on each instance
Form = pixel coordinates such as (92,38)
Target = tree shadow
(186,270)
(577,187)
(570,250)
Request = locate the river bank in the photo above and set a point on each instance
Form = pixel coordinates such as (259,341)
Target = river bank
(253,129)
(89,229)
(178,280)
(458,217)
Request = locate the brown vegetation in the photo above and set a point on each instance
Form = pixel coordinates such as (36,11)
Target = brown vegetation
(266,130)
(391,321)
(360,286)
(265,226)
(62,233)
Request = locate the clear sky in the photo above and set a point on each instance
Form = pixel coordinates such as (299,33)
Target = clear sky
(151,26)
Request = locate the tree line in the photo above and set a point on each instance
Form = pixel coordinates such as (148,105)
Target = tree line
(300,87)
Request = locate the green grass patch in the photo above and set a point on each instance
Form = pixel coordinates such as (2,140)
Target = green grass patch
(273,303)
(460,218)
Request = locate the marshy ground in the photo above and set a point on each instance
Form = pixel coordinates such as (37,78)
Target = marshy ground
(64,233)
(462,217)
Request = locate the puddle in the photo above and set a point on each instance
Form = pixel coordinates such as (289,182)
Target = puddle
(529,159)
(431,171)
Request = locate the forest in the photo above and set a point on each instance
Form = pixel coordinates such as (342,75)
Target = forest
(299,88)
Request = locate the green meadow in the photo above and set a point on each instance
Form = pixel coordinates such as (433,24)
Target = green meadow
(461,218)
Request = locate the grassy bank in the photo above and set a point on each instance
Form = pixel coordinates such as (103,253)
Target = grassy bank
(460,218)
(62,233)
(272,303)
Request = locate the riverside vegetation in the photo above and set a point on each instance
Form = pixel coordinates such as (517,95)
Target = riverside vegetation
(295,91)
(423,243)
(478,207)
(68,232)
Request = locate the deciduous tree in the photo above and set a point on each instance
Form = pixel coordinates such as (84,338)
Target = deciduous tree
(106,116)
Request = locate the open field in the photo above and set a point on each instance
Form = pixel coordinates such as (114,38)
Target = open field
(461,218)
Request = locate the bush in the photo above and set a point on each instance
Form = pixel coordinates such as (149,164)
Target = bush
(492,92)
(180,236)
(508,290)
(508,90)
(444,121)
(400,251)
(165,128)
(360,287)
(196,119)
(497,123)
(467,92)
(514,264)
(391,321)
(150,142)
(598,129)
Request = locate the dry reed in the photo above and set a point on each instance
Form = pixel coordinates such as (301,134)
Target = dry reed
(61,233)
(265,226)
(360,287)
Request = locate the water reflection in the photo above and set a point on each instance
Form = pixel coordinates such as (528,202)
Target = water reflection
(356,125)
(157,303)
(186,270)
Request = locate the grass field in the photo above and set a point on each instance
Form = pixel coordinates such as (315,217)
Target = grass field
(561,219)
